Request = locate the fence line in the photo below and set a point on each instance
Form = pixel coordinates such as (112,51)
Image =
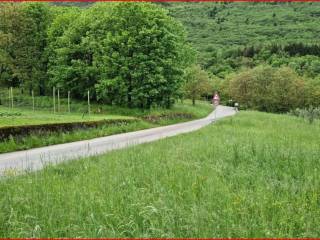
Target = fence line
(14,98)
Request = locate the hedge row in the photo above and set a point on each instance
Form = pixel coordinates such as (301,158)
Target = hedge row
(14,131)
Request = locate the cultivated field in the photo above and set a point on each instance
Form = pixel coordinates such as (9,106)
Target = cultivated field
(252,175)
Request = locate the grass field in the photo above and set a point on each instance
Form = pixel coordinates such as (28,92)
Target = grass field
(28,117)
(252,175)
(45,115)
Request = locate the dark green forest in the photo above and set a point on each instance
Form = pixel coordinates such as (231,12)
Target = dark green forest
(229,36)
(144,55)
(232,38)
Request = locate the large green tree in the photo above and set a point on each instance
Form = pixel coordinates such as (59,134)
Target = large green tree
(144,56)
(12,25)
(197,83)
(33,57)
(133,54)
(23,30)
(69,53)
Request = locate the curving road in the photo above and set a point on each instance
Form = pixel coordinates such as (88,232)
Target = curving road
(37,158)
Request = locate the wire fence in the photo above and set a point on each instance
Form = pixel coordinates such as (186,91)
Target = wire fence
(15,98)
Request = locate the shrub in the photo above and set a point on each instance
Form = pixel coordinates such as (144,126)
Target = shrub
(310,113)
(268,89)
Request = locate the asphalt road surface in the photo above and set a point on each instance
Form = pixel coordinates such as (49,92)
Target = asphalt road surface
(37,158)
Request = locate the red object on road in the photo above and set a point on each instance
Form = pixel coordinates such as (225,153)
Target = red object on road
(216,99)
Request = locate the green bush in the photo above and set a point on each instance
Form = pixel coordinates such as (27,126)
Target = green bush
(310,113)
(268,89)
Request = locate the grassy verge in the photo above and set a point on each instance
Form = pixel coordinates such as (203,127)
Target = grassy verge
(253,175)
(46,139)
(151,118)
(21,116)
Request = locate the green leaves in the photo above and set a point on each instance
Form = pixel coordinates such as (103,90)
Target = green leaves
(131,54)
(23,39)
(268,89)
(144,56)
(197,83)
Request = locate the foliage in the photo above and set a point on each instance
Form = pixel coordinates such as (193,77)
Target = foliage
(197,83)
(72,61)
(268,89)
(135,54)
(23,33)
(146,56)
(310,114)
(11,25)
(235,35)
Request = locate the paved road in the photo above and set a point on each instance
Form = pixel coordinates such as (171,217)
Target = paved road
(37,158)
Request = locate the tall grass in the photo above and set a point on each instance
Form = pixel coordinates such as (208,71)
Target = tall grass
(253,175)
(41,139)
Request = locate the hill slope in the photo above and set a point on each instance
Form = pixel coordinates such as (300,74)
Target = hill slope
(225,25)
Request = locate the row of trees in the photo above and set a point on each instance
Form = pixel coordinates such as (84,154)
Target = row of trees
(266,88)
(292,49)
(232,60)
(129,54)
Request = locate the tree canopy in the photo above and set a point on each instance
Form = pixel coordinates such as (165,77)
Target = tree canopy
(197,83)
(23,39)
(133,54)
(268,89)
(146,54)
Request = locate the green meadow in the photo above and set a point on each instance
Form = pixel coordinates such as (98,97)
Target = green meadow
(20,116)
(252,175)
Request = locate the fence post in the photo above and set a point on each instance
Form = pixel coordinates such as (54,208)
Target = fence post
(54,99)
(89,102)
(11,97)
(69,101)
(9,101)
(32,100)
(58,100)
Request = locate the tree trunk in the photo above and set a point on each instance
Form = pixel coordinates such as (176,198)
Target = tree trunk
(129,98)
(193,101)
(41,88)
